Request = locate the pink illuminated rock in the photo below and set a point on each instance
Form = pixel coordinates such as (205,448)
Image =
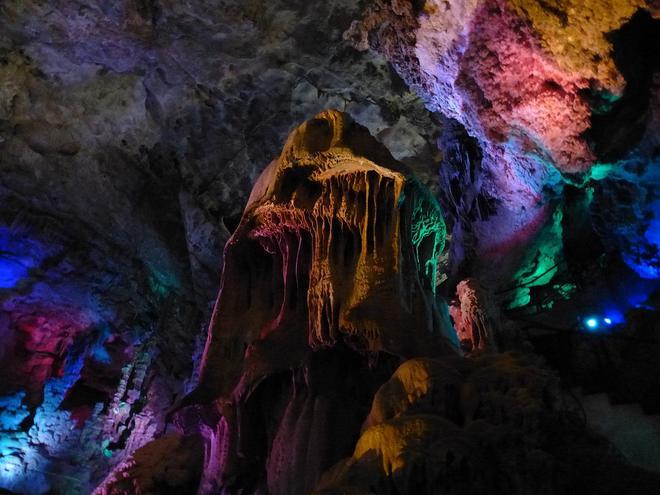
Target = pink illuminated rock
(475,316)
(520,76)
(507,69)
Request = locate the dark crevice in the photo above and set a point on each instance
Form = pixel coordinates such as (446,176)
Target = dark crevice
(617,126)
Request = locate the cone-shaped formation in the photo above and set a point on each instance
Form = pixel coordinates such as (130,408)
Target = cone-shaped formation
(337,243)
(331,270)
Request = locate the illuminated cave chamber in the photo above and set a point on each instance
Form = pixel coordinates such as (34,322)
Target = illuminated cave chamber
(329,369)
(131,135)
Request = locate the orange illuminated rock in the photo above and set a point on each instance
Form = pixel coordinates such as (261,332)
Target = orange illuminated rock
(329,281)
(337,243)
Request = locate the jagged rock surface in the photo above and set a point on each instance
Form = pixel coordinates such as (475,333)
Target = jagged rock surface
(338,242)
(132,131)
(494,424)
(170,464)
(337,249)
(130,135)
(543,87)
(329,280)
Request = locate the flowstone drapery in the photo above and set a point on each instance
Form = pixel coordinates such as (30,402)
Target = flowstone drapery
(336,253)
(337,243)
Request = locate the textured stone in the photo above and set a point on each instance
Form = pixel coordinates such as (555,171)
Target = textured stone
(541,86)
(490,425)
(130,136)
(171,464)
(338,238)
(132,132)
(337,249)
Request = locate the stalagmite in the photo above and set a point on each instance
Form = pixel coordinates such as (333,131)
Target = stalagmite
(336,253)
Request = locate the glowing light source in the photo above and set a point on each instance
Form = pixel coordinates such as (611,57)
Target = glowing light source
(608,321)
(592,323)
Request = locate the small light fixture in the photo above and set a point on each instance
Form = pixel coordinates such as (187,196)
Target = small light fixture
(608,321)
(592,323)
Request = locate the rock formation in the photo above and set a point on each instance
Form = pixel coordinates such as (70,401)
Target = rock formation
(542,87)
(131,134)
(329,285)
(338,243)
(328,281)
(337,249)
(496,424)
(474,314)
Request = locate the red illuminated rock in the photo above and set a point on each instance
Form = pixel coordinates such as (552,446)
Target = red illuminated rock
(514,72)
(475,316)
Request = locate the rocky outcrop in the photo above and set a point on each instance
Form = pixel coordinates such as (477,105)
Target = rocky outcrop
(170,464)
(130,136)
(495,424)
(336,252)
(329,281)
(338,242)
(475,316)
(535,84)
(131,133)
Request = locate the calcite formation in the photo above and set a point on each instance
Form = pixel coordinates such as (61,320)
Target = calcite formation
(131,133)
(127,154)
(496,424)
(171,463)
(337,243)
(337,248)
(474,313)
(328,282)
(534,82)
(515,73)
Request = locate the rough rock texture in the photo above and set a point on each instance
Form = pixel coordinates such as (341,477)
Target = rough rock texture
(543,88)
(475,316)
(336,251)
(170,464)
(338,242)
(131,133)
(130,136)
(495,424)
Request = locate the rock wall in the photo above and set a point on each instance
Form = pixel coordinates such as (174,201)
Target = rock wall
(544,90)
(130,136)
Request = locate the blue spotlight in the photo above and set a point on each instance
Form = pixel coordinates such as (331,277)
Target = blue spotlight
(608,321)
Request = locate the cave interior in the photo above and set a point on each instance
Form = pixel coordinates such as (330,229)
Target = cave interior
(329,247)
